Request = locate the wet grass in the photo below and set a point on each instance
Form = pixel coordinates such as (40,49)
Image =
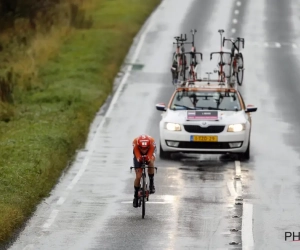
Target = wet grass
(67,79)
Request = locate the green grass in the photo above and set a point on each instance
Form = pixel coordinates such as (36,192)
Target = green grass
(51,119)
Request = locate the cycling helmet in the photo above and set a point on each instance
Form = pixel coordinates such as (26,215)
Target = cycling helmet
(143,142)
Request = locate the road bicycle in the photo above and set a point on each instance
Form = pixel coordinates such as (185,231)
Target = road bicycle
(179,59)
(221,64)
(144,193)
(237,60)
(193,58)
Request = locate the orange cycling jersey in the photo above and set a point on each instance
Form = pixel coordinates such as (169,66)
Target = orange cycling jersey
(150,153)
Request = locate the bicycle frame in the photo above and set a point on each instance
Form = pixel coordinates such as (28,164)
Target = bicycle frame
(221,73)
(193,58)
(235,56)
(144,193)
(179,54)
(221,64)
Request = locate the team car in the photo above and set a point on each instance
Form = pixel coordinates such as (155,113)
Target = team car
(205,118)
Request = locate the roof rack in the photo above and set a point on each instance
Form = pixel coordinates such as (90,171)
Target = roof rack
(204,83)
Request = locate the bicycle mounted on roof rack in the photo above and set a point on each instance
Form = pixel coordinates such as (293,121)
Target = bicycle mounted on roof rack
(221,63)
(237,61)
(193,58)
(179,59)
(179,65)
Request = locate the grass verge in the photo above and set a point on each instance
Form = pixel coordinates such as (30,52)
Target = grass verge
(50,120)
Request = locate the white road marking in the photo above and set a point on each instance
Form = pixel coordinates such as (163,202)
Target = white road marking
(238,3)
(236,12)
(29,247)
(238,173)
(238,168)
(78,175)
(233,30)
(239,188)
(231,189)
(234,20)
(111,106)
(51,219)
(273,44)
(61,201)
(247,228)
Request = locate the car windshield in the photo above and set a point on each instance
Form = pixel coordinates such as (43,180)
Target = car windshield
(209,100)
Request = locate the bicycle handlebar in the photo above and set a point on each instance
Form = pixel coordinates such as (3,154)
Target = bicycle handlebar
(219,52)
(144,166)
(183,43)
(233,41)
(180,38)
(194,53)
(238,39)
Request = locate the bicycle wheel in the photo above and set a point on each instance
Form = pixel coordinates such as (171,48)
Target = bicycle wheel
(240,74)
(144,197)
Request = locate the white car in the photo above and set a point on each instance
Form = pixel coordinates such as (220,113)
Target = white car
(206,119)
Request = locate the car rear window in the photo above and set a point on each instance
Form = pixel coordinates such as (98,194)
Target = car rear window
(212,100)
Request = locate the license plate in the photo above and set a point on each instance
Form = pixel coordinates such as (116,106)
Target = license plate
(204,138)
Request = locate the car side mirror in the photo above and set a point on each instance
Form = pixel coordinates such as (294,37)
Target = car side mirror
(161,107)
(250,108)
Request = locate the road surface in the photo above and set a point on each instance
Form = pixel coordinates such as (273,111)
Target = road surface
(199,203)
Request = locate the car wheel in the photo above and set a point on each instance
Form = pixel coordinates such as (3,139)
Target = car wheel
(164,154)
(246,155)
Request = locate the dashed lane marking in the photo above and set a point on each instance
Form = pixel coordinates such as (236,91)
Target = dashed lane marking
(51,219)
(247,227)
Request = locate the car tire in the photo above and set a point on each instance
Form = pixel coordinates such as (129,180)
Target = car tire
(245,155)
(164,154)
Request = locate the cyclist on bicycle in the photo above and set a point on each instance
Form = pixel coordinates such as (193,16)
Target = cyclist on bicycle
(143,147)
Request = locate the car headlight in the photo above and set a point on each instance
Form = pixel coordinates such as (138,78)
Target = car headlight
(172,126)
(236,128)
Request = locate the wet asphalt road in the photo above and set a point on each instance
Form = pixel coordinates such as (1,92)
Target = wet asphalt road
(196,205)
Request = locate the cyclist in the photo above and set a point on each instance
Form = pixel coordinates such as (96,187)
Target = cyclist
(143,146)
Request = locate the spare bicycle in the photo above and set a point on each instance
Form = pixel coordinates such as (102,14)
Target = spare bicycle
(144,193)
(179,64)
(237,60)
(193,58)
(221,64)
